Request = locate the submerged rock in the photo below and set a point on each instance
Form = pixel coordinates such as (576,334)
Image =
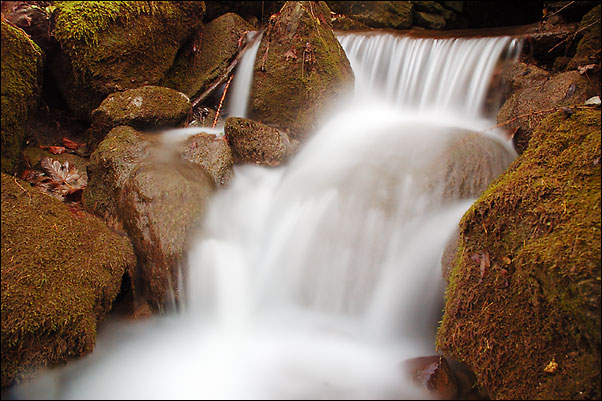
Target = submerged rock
(253,142)
(61,272)
(159,205)
(202,61)
(213,153)
(148,107)
(114,46)
(22,64)
(523,304)
(300,69)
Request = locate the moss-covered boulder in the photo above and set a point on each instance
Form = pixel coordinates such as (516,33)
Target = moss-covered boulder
(213,153)
(147,107)
(300,69)
(523,304)
(159,205)
(22,64)
(253,142)
(113,46)
(61,271)
(195,70)
(530,104)
(109,168)
(588,49)
(376,14)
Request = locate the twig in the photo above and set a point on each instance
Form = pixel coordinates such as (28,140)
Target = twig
(19,185)
(221,101)
(575,34)
(539,112)
(553,14)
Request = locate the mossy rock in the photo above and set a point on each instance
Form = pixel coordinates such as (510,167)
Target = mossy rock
(109,168)
(588,49)
(194,71)
(530,104)
(22,65)
(528,321)
(114,46)
(147,107)
(257,143)
(213,154)
(428,7)
(429,20)
(300,69)
(61,271)
(159,205)
(376,14)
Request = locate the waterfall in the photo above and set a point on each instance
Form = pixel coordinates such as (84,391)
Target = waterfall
(318,278)
(243,77)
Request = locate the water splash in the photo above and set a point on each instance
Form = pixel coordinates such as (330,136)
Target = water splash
(316,279)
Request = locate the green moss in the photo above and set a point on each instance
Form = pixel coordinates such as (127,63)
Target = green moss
(60,273)
(22,64)
(194,71)
(542,216)
(114,46)
(300,68)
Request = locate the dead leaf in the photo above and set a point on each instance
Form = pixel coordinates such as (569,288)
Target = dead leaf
(62,180)
(551,367)
(485,264)
(71,144)
(583,69)
(291,54)
(55,150)
(506,260)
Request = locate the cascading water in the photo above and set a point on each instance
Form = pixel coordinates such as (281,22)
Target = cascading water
(316,279)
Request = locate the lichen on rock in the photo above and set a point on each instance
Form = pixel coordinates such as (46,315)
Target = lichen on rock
(61,271)
(536,299)
(22,64)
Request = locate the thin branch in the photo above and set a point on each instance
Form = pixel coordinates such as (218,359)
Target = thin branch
(221,101)
(575,34)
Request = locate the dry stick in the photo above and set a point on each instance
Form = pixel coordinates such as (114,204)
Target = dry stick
(221,101)
(218,82)
(575,34)
(570,3)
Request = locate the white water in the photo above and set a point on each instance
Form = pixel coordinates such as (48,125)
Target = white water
(316,279)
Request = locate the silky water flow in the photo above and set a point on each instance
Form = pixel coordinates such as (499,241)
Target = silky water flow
(317,279)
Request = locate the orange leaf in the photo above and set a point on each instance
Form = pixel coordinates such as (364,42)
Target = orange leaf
(55,150)
(70,144)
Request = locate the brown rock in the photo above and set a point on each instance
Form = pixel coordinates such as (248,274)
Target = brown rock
(213,153)
(434,374)
(253,142)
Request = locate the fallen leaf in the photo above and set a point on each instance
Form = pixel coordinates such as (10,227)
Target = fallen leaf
(291,54)
(61,180)
(583,69)
(485,264)
(506,260)
(55,150)
(71,144)
(551,367)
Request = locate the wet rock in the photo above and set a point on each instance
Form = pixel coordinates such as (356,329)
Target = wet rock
(61,272)
(529,105)
(253,142)
(546,41)
(262,10)
(429,20)
(344,23)
(539,224)
(159,205)
(207,56)
(110,166)
(428,7)
(147,107)
(300,69)
(433,374)
(22,66)
(457,6)
(213,153)
(115,46)
(34,19)
(376,14)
